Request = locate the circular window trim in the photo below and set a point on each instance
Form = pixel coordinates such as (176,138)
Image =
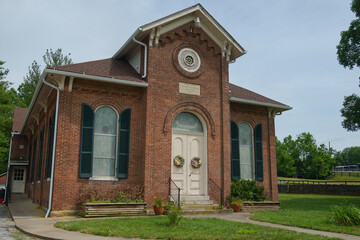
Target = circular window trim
(189,60)
(182,65)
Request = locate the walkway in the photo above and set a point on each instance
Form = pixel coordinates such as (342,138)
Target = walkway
(29,218)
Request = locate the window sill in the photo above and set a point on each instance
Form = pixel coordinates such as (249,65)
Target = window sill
(103,179)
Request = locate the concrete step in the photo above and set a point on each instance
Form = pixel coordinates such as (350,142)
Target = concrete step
(197,206)
(206,211)
(198,202)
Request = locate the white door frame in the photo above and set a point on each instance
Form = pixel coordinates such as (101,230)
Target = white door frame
(204,149)
(19,185)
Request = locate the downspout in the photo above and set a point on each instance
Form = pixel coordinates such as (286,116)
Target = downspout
(8,167)
(54,146)
(145,56)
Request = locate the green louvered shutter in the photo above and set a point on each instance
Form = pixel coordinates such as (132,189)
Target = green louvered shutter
(86,145)
(40,155)
(258,153)
(124,137)
(33,162)
(235,154)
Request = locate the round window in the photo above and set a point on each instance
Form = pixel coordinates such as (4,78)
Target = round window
(189,60)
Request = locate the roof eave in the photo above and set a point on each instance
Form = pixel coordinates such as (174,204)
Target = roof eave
(246,101)
(77,75)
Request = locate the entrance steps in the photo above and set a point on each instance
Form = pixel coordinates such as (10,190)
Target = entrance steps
(201,205)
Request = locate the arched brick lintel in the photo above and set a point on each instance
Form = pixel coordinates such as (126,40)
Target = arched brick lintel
(188,106)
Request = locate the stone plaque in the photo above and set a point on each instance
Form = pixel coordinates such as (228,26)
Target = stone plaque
(188,88)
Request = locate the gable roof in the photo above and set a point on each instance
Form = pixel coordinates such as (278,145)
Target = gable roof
(242,95)
(19,116)
(207,23)
(109,68)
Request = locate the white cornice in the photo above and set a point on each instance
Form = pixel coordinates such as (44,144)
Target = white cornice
(277,106)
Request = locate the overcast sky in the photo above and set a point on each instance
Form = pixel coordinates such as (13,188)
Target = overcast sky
(291,48)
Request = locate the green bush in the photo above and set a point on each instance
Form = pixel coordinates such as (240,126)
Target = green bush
(345,215)
(247,190)
(174,213)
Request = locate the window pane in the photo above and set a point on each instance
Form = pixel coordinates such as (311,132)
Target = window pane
(104,142)
(103,167)
(187,122)
(246,152)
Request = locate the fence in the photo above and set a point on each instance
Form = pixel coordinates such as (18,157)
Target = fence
(346,174)
(318,182)
(348,188)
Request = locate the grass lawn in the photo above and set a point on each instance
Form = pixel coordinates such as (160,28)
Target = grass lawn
(308,211)
(198,228)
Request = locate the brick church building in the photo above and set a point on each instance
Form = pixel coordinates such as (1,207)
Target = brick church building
(160,110)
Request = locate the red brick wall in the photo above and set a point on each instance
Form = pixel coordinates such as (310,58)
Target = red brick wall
(66,179)
(16,152)
(164,99)
(255,115)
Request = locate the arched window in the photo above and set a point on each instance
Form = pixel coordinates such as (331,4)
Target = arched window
(104,143)
(244,164)
(187,122)
(246,151)
(105,130)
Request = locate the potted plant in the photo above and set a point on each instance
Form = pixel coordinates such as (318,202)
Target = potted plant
(236,204)
(158,206)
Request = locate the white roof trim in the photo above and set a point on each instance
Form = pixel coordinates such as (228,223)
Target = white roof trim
(98,78)
(175,16)
(241,100)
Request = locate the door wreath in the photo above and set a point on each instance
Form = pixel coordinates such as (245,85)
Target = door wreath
(196,162)
(179,161)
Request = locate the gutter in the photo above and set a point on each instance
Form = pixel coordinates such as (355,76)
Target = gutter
(145,55)
(97,78)
(126,44)
(278,106)
(8,168)
(54,146)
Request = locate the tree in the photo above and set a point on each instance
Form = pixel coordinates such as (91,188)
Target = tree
(351,113)
(56,59)
(3,72)
(348,50)
(348,54)
(285,162)
(351,155)
(51,59)
(27,88)
(303,157)
(8,102)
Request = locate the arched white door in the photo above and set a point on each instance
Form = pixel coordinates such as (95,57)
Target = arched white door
(189,142)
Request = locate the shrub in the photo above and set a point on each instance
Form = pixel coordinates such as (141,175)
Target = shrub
(345,215)
(247,190)
(174,213)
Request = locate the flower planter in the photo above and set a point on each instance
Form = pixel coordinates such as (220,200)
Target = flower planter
(236,207)
(158,211)
(112,209)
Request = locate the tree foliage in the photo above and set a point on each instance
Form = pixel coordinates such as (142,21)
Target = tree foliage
(27,88)
(303,157)
(8,102)
(51,59)
(350,155)
(348,50)
(351,113)
(56,59)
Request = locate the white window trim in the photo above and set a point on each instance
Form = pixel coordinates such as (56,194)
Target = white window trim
(108,178)
(252,152)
